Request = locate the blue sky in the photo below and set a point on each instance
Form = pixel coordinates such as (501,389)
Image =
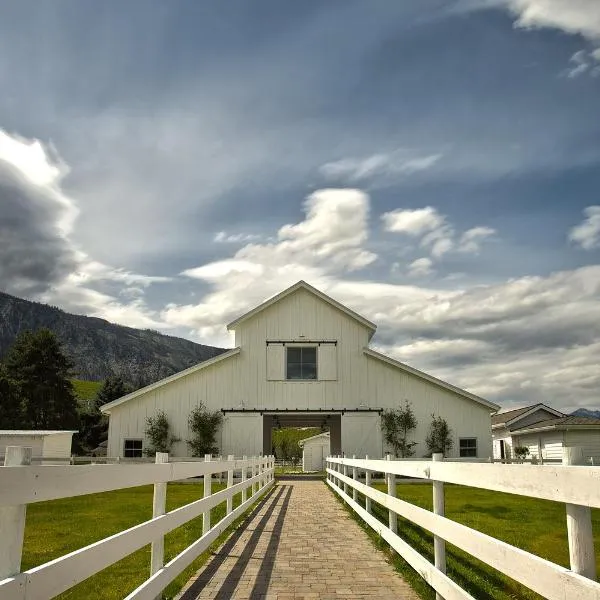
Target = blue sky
(433,164)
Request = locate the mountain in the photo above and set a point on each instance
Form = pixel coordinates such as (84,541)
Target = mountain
(585,412)
(99,348)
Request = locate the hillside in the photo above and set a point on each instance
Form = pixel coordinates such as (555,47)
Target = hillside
(586,412)
(99,348)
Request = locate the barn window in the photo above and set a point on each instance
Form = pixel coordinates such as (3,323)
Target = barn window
(467,447)
(132,449)
(301,362)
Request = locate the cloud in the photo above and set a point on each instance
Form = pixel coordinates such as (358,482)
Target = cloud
(420,267)
(412,222)
(583,62)
(436,234)
(572,16)
(470,241)
(38,258)
(382,166)
(222,237)
(587,234)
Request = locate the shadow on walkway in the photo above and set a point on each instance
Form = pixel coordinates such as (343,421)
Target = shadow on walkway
(266,566)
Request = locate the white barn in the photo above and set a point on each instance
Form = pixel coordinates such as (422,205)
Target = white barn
(301,359)
(315,450)
(44,443)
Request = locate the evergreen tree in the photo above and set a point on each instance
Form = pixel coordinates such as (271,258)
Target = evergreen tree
(40,373)
(113,388)
(10,407)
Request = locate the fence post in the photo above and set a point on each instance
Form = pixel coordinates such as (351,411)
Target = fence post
(368,483)
(230,457)
(439,545)
(346,474)
(244,477)
(391,481)
(355,477)
(12,518)
(207,493)
(254,473)
(157,552)
(579,526)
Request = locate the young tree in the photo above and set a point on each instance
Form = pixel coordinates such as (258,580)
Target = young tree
(158,431)
(396,425)
(40,372)
(439,438)
(204,425)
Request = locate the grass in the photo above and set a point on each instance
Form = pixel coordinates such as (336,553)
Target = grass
(86,390)
(58,527)
(537,526)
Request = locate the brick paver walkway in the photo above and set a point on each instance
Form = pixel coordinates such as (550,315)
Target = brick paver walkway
(300,543)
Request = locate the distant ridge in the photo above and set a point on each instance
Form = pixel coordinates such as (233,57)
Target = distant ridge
(99,348)
(586,412)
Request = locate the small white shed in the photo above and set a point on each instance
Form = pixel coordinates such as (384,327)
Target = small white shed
(44,444)
(314,451)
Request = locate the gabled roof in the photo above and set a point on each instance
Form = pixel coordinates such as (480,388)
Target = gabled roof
(448,386)
(561,423)
(105,408)
(302,285)
(313,437)
(509,417)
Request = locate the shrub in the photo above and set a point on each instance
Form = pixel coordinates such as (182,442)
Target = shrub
(521,452)
(204,425)
(439,438)
(396,425)
(158,431)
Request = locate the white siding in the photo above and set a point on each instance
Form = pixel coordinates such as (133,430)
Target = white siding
(502,434)
(588,440)
(327,362)
(531,441)
(552,445)
(36,443)
(242,434)
(57,445)
(275,362)
(252,381)
(314,453)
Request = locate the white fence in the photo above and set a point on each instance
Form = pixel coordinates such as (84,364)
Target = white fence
(577,486)
(22,484)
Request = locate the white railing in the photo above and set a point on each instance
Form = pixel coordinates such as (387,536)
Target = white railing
(22,484)
(577,486)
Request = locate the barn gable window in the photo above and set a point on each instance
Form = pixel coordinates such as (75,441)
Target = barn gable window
(132,449)
(467,447)
(301,362)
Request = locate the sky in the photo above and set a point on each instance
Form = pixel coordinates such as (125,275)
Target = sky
(432,164)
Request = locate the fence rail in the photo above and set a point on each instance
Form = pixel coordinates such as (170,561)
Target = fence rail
(577,486)
(27,484)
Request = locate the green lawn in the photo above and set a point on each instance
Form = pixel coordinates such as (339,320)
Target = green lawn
(538,526)
(86,390)
(60,526)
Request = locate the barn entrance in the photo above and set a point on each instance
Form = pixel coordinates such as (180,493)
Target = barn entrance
(322,420)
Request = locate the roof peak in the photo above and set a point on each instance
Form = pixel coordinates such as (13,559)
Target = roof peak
(301,284)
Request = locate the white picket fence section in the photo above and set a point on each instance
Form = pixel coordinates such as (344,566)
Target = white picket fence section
(22,484)
(576,485)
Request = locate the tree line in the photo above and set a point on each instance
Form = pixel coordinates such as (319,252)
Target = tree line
(36,391)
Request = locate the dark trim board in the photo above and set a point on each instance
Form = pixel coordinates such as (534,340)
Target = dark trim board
(277,411)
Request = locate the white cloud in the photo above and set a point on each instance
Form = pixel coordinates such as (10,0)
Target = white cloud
(412,222)
(470,241)
(573,16)
(420,267)
(386,166)
(223,237)
(436,234)
(584,62)
(587,233)
(37,255)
